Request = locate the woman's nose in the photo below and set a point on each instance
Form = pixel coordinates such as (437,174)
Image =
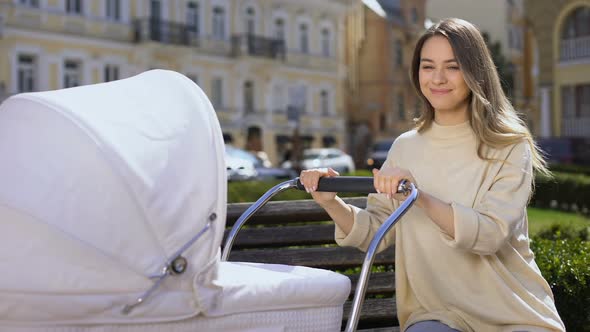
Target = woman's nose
(439,77)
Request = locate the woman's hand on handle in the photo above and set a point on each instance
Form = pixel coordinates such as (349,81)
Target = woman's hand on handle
(387,179)
(310,178)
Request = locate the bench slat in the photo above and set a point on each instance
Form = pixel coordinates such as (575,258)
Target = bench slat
(375,309)
(379,282)
(286,211)
(331,258)
(282,236)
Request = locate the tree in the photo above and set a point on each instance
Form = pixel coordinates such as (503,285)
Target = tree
(504,66)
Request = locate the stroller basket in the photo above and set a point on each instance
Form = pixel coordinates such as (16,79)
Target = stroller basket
(337,184)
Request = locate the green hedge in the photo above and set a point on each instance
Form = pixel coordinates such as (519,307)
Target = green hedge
(565,264)
(567,191)
(568,168)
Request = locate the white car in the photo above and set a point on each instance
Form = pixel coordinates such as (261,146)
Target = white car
(328,157)
(239,167)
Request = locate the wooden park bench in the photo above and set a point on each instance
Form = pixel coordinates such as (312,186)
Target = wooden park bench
(301,233)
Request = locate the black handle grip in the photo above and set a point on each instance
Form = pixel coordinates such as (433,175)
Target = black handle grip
(352,184)
(347,184)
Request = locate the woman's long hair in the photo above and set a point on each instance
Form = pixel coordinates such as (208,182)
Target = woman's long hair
(492,117)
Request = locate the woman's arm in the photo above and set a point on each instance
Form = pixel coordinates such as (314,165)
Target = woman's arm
(484,228)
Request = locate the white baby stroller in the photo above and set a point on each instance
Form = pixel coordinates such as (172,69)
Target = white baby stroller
(112,211)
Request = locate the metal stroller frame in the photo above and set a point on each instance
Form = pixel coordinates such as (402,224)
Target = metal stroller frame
(337,184)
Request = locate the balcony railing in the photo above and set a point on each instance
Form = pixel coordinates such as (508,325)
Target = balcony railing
(576,127)
(258,46)
(575,49)
(174,33)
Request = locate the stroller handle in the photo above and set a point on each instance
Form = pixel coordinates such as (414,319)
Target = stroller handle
(349,184)
(352,184)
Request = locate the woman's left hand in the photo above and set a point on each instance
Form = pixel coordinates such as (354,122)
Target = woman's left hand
(387,179)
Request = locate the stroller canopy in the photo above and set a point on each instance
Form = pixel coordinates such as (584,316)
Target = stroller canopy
(101,186)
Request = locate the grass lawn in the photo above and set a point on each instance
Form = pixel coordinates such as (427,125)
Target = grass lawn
(540,219)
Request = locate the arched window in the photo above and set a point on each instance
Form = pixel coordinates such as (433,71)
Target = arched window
(279,32)
(218,22)
(575,34)
(192,17)
(577,24)
(250,24)
(326,42)
(248,97)
(304,38)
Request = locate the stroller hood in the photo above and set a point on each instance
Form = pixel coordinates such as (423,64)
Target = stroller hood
(101,185)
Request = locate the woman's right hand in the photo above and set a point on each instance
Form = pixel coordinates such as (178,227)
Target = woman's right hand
(310,178)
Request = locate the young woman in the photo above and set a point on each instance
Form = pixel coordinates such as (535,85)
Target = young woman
(462,255)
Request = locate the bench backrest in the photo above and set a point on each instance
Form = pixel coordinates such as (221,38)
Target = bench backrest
(301,233)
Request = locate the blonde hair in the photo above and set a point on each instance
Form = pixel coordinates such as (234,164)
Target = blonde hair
(492,116)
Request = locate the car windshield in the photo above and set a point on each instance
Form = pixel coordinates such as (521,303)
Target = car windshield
(311,155)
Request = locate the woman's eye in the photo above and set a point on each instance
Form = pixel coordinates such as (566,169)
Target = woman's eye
(427,67)
(454,68)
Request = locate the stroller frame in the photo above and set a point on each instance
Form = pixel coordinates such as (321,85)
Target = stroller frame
(337,184)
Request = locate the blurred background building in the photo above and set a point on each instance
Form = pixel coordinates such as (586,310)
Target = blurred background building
(330,73)
(253,58)
(380,99)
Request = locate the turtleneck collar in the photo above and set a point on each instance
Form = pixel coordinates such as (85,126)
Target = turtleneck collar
(449,133)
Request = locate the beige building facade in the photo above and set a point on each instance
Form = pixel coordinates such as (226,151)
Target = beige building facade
(255,59)
(559,47)
(381,100)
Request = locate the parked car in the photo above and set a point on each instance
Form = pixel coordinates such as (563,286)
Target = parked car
(253,166)
(378,154)
(325,157)
(239,164)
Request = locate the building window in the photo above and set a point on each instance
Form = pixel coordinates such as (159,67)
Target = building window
(113,9)
(325,102)
(303,38)
(326,42)
(217,92)
(414,15)
(30,3)
(279,29)
(399,53)
(26,72)
(250,24)
(74,6)
(218,23)
(192,17)
(577,24)
(72,73)
(248,97)
(401,107)
(298,97)
(582,98)
(111,73)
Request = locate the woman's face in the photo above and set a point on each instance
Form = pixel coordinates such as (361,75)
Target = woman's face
(441,79)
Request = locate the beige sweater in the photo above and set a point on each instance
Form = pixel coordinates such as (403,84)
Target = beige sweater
(485,279)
